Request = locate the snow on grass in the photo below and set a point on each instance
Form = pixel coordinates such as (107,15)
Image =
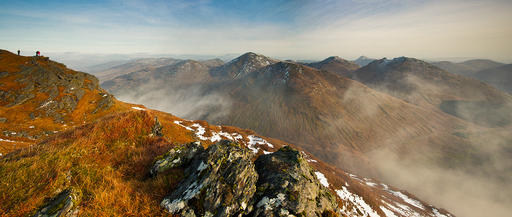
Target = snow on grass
(388,212)
(306,156)
(438,214)
(138,108)
(406,198)
(321,177)
(31,127)
(199,131)
(402,209)
(6,140)
(358,202)
(253,140)
(226,135)
(179,123)
(215,137)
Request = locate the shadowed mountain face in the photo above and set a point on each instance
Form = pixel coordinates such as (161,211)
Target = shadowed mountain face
(124,159)
(499,77)
(335,64)
(423,84)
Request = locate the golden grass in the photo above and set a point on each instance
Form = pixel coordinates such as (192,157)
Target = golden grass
(108,161)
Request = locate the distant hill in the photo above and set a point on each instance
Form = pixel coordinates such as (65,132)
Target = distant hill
(335,64)
(499,77)
(424,84)
(363,61)
(467,68)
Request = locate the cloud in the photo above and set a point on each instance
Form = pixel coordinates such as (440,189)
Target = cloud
(294,29)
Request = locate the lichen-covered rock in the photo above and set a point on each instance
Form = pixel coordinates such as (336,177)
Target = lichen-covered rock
(176,157)
(157,128)
(221,182)
(64,204)
(224,181)
(287,186)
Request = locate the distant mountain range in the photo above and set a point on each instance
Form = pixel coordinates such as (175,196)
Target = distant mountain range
(496,74)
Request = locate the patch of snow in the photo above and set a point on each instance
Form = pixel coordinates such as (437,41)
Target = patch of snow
(179,123)
(321,177)
(407,199)
(253,140)
(438,214)
(388,212)
(199,131)
(226,135)
(266,152)
(31,127)
(138,108)
(6,140)
(371,184)
(215,137)
(308,159)
(237,136)
(1,155)
(357,201)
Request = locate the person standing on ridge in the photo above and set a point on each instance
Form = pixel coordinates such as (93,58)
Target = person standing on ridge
(38,53)
(19,52)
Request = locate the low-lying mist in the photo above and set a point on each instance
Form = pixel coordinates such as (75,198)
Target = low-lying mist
(461,193)
(189,102)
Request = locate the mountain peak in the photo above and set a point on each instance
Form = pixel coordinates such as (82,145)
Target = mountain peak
(243,65)
(363,61)
(335,64)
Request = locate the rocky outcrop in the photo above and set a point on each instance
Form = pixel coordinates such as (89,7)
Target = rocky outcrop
(287,186)
(64,204)
(176,157)
(156,130)
(223,180)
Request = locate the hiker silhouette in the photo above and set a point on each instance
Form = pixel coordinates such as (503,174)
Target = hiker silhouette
(38,53)
(19,52)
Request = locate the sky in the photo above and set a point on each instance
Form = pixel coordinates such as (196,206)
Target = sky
(296,29)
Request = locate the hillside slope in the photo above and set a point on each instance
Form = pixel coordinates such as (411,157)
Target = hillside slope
(39,97)
(467,68)
(499,77)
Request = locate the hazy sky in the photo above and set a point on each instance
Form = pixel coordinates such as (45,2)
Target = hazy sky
(295,28)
